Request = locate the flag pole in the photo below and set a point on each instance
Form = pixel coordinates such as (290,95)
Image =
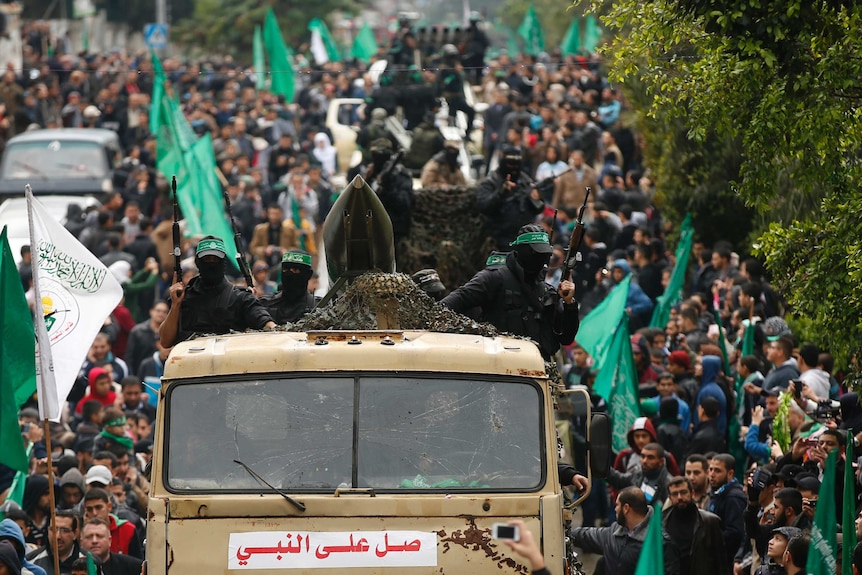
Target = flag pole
(52,526)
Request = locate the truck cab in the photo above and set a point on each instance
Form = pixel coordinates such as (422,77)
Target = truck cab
(376,451)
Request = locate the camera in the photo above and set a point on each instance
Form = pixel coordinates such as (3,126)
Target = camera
(759,481)
(505,531)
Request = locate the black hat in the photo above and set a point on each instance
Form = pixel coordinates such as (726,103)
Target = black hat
(536,237)
(788,474)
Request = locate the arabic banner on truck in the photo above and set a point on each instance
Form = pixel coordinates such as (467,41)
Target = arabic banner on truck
(304,550)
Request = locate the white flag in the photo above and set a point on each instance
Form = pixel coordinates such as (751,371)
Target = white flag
(318,48)
(76,293)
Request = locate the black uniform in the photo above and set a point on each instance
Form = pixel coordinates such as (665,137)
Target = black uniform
(516,305)
(286,310)
(219,310)
(505,211)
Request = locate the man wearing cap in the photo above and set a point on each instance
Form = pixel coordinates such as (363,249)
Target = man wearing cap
(774,562)
(293,300)
(429,281)
(516,299)
(444,169)
(210,303)
(508,198)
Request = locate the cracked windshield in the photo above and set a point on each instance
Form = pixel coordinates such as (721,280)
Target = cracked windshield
(411,433)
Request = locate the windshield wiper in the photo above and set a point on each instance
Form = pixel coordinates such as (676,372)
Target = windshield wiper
(257,476)
(33,170)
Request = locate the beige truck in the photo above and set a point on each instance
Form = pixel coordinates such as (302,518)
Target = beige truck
(356,452)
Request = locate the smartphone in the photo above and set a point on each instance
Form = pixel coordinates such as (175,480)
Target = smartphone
(25,427)
(505,531)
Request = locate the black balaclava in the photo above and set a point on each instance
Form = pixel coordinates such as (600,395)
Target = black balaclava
(294,285)
(451,156)
(211,273)
(532,261)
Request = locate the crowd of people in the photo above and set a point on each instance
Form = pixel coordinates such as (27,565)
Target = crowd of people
(552,130)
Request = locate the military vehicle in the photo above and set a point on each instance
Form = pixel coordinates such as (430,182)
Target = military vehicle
(389,449)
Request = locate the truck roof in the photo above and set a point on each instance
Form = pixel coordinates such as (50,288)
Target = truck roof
(407,351)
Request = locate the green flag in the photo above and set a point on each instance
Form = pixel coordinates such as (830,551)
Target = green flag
(257,56)
(595,333)
(17,359)
(673,293)
(364,44)
(512,47)
(16,491)
(617,382)
(592,34)
(848,520)
(323,46)
(531,31)
(279,55)
(92,569)
(651,560)
(205,196)
(572,40)
(823,551)
(737,449)
(158,94)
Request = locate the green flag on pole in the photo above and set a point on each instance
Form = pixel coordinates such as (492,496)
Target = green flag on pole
(651,560)
(16,491)
(595,333)
(531,31)
(572,40)
(364,44)
(281,72)
(323,46)
(673,293)
(17,359)
(592,34)
(158,93)
(848,519)
(617,382)
(258,63)
(823,551)
(737,450)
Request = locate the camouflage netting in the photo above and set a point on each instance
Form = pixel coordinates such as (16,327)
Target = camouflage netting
(447,234)
(388,301)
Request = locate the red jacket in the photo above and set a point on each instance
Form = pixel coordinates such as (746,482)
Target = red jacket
(122,535)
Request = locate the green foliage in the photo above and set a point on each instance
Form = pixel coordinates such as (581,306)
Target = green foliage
(781,425)
(775,84)
(227,26)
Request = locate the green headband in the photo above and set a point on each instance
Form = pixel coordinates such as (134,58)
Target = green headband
(296,258)
(496,260)
(210,244)
(116,422)
(532,238)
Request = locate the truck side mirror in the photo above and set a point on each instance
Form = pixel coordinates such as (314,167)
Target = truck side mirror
(600,445)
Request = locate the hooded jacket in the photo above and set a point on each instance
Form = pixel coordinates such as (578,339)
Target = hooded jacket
(630,459)
(10,530)
(710,388)
(10,559)
(107,400)
(706,541)
(621,547)
(637,300)
(72,477)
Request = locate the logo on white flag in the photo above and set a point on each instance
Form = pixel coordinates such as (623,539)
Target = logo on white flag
(59,308)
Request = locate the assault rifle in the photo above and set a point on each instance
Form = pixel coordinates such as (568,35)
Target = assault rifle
(178,253)
(390,164)
(237,240)
(573,253)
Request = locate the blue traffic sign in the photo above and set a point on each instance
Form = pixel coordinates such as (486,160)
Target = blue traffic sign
(156,35)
